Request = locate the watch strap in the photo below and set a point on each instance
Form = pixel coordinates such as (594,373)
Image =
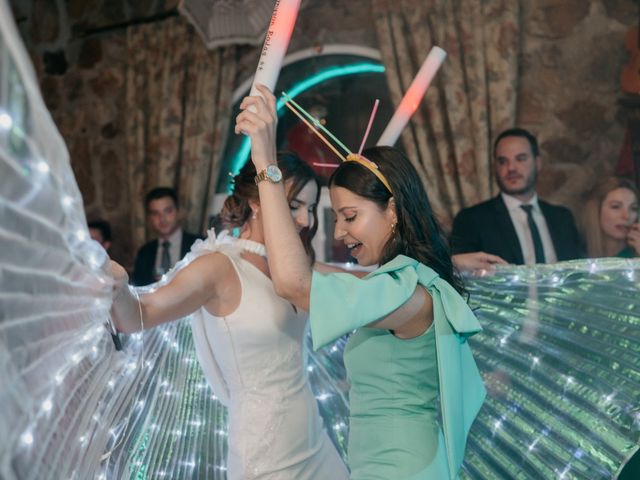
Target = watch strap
(261,176)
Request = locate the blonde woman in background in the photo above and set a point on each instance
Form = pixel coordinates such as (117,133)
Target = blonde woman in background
(610,225)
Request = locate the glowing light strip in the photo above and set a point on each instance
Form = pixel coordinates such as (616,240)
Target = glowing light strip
(242,155)
(315,122)
(366,133)
(314,129)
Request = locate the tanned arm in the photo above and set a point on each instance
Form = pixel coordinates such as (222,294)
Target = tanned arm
(202,281)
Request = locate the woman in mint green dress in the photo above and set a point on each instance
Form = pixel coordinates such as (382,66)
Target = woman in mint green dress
(415,388)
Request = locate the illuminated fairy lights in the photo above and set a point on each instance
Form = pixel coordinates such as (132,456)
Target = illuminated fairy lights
(6,122)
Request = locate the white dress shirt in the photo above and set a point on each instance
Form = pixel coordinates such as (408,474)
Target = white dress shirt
(519,220)
(174,249)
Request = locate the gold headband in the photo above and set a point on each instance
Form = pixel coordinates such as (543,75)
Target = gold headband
(317,128)
(371,166)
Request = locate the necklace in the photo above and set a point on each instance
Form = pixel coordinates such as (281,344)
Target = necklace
(251,246)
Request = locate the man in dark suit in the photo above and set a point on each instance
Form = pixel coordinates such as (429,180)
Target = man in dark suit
(157,257)
(515,226)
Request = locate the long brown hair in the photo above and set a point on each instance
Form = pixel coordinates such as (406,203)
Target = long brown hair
(236,210)
(590,218)
(418,234)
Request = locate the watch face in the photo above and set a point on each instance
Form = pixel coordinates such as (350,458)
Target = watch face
(273,173)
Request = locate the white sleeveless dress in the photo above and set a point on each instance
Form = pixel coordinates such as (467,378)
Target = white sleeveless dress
(254,360)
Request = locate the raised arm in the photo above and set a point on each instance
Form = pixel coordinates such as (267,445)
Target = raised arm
(204,281)
(288,262)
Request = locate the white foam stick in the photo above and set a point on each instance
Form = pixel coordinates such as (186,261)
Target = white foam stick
(276,43)
(413,97)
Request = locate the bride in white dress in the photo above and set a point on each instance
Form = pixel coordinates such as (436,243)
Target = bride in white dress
(249,341)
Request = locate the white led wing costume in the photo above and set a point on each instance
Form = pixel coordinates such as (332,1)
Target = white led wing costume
(55,359)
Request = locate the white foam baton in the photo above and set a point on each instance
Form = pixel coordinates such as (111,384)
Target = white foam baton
(413,97)
(276,42)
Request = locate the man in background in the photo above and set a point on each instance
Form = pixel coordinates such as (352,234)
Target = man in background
(158,256)
(515,226)
(100,231)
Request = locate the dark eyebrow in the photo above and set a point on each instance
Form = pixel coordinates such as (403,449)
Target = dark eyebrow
(296,199)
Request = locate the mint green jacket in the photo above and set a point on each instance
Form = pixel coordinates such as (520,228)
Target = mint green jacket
(350,303)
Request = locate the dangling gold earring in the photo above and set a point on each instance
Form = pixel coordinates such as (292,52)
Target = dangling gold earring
(393,228)
(255,214)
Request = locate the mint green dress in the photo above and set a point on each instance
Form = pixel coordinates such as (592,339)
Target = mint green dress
(397,429)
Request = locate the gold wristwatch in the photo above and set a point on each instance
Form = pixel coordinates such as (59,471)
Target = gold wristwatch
(271,173)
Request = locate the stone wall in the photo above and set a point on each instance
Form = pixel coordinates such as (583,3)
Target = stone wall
(79,54)
(573,53)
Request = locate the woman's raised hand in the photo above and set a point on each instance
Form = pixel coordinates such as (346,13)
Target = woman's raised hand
(633,238)
(258,120)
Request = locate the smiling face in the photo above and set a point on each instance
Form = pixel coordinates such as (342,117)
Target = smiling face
(516,167)
(618,212)
(303,205)
(362,225)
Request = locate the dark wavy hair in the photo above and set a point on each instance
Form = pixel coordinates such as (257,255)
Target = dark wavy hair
(236,210)
(417,234)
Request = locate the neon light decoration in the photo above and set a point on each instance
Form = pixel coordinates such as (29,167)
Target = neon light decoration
(242,154)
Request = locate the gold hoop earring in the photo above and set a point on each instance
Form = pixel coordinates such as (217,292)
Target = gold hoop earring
(393,228)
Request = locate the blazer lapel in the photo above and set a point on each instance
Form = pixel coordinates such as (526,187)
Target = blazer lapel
(184,246)
(152,258)
(150,264)
(555,230)
(505,225)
